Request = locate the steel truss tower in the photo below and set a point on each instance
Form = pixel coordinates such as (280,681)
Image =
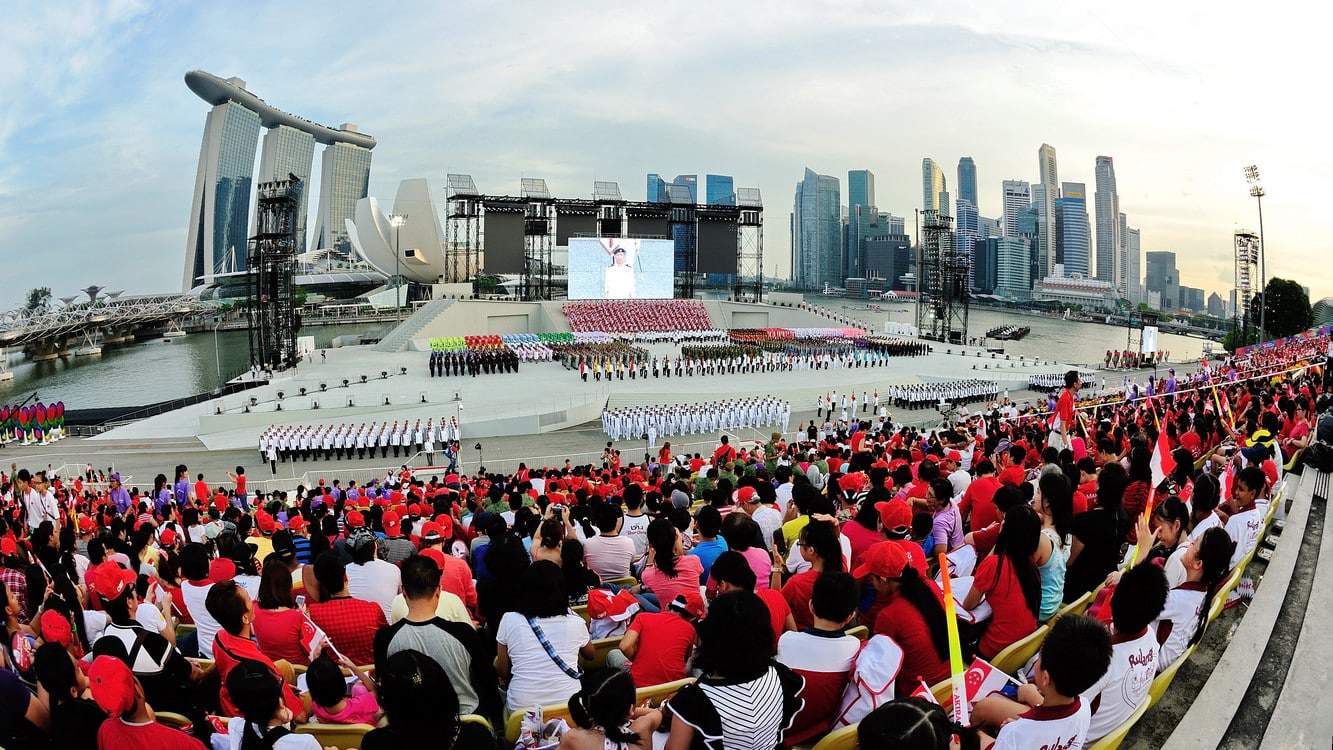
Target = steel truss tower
(1248,283)
(941,307)
(271,303)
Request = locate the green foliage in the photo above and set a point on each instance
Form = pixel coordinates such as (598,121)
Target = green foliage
(1286,308)
(1235,338)
(38,300)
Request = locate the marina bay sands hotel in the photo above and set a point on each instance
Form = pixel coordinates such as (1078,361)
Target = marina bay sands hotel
(221,209)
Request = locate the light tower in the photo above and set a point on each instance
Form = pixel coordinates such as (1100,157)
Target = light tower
(1257,190)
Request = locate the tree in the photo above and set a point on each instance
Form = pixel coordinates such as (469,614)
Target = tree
(1286,308)
(39,300)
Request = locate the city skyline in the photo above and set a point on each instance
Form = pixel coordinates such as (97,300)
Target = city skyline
(100,142)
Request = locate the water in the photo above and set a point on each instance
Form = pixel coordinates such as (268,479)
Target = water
(1065,340)
(144,372)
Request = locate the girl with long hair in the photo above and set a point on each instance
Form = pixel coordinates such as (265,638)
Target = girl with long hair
(1054,503)
(669,571)
(1094,549)
(912,614)
(421,709)
(1010,583)
(607,718)
(819,545)
(1206,562)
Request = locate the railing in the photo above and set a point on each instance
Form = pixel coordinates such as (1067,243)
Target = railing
(133,414)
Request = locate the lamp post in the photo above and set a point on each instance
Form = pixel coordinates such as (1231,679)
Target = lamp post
(217,358)
(1257,190)
(397,221)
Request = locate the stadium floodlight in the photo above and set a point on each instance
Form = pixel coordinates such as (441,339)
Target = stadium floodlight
(1257,191)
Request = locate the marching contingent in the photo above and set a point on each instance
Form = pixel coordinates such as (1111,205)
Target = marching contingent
(633,422)
(282,443)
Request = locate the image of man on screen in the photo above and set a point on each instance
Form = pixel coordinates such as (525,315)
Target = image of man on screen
(618,278)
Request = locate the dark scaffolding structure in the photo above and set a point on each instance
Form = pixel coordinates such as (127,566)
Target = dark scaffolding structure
(941,306)
(538,240)
(462,230)
(1247,288)
(749,283)
(271,302)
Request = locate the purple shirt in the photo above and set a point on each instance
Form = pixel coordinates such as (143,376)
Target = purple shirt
(182,492)
(121,498)
(946,528)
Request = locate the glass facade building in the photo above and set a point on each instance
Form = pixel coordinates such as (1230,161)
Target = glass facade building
(1013,267)
(220,211)
(1075,242)
(657,189)
(344,180)
(816,232)
(288,151)
(932,185)
(719,190)
(967,180)
(1107,203)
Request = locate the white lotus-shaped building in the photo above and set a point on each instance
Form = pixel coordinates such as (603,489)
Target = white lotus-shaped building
(420,239)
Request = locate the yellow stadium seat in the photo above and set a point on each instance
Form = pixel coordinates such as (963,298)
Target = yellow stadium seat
(477,719)
(600,648)
(1016,654)
(943,691)
(582,611)
(860,631)
(173,720)
(341,736)
(1163,680)
(659,694)
(1078,606)
(1117,736)
(183,629)
(839,739)
(627,581)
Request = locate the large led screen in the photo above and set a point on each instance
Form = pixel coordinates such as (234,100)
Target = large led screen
(617,268)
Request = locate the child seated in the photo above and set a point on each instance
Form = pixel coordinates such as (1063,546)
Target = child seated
(264,720)
(822,654)
(1049,711)
(913,724)
(331,701)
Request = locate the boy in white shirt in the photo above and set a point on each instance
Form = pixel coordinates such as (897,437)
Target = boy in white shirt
(1137,602)
(1247,514)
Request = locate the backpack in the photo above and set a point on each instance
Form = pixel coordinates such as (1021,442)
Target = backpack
(872,681)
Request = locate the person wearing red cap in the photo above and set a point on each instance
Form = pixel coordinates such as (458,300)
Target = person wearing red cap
(231,606)
(396,547)
(913,615)
(131,724)
(455,574)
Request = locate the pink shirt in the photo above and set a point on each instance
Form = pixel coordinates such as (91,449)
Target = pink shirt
(688,571)
(761,562)
(361,708)
(609,556)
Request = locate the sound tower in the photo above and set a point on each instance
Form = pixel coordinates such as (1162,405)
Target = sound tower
(271,302)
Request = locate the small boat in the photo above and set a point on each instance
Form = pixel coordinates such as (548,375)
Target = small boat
(1008,333)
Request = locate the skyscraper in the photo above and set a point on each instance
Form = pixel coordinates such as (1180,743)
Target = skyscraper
(218,233)
(985,256)
(987,227)
(816,232)
(657,188)
(1016,197)
(1071,211)
(862,220)
(1029,230)
(689,182)
(719,190)
(896,224)
(1047,240)
(860,188)
(343,180)
(1013,267)
(1107,200)
(966,229)
(287,150)
(932,184)
(1163,278)
(967,181)
(1133,256)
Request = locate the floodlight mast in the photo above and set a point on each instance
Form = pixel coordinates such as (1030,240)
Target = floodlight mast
(1257,190)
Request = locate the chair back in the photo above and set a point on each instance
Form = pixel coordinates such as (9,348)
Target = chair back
(1117,735)
(843,738)
(341,736)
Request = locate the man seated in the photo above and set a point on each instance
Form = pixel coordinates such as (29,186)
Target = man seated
(822,654)
(232,607)
(350,624)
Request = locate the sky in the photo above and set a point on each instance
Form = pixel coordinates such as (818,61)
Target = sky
(99,136)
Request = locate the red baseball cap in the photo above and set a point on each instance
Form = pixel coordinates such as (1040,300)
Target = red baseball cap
(355,519)
(221,569)
(434,554)
(745,494)
(894,514)
(168,537)
(109,580)
(954,456)
(392,525)
(54,628)
(295,522)
(885,559)
(112,685)
(853,482)
(8,545)
(690,603)
(86,524)
(431,532)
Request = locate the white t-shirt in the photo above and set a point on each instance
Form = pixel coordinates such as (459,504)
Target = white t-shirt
(1065,727)
(609,556)
(94,623)
(236,726)
(769,520)
(1244,531)
(1125,685)
(796,562)
(536,680)
(960,480)
(783,493)
(1212,520)
(250,584)
(377,581)
(205,626)
(636,528)
(150,617)
(1181,617)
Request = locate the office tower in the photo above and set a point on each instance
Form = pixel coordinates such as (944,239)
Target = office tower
(985,259)
(288,151)
(344,179)
(966,231)
(1162,278)
(220,211)
(1016,197)
(860,188)
(1048,241)
(816,232)
(1035,220)
(1073,239)
(967,180)
(691,183)
(657,188)
(946,203)
(1107,202)
(932,185)
(888,257)
(1013,265)
(1191,298)
(988,227)
(719,190)
(896,224)
(1217,307)
(1129,238)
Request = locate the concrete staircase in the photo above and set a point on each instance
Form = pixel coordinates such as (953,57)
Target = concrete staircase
(400,338)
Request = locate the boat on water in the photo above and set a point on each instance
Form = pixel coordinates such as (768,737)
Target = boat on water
(1008,333)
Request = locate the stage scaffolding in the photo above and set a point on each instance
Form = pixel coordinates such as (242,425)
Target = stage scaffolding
(272,322)
(941,306)
(541,279)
